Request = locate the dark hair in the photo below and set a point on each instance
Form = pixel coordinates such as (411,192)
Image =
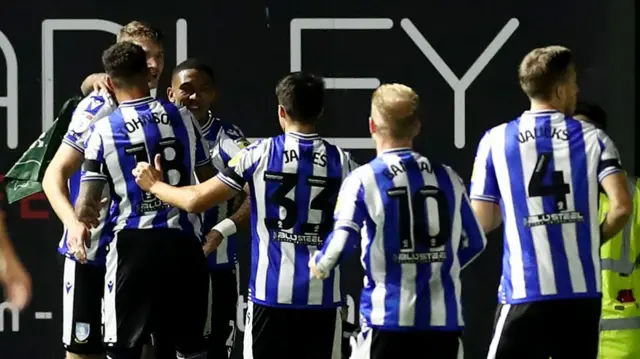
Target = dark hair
(593,112)
(140,29)
(543,69)
(302,96)
(126,64)
(195,64)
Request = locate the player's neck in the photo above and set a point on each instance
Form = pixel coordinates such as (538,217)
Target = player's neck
(391,144)
(544,106)
(300,128)
(131,94)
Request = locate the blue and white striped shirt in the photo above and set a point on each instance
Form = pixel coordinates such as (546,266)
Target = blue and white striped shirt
(225,141)
(95,106)
(543,169)
(417,232)
(294,180)
(136,132)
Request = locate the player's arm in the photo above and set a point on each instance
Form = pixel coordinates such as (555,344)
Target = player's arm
(93,179)
(349,216)
(15,279)
(485,193)
(230,144)
(614,183)
(64,164)
(473,238)
(94,82)
(202,196)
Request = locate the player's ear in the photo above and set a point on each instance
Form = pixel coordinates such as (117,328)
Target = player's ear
(110,82)
(372,126)
(170,93)
(282,113)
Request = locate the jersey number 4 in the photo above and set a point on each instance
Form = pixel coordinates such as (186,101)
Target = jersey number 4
(558,188)
(172,154)
(413,217)
(324,201)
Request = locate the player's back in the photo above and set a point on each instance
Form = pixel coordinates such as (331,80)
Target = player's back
(295,182)
(544,169)
(419,233)
(136,132)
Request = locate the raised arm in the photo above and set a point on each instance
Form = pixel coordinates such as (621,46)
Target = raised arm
(349,217)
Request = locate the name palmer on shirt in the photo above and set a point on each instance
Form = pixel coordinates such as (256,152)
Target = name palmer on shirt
(399,168)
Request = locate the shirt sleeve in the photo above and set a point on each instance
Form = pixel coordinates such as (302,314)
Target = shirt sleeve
(473,238)
(349,217)
(231,142)
(351,163)
(484,183)
(92,108)
(609,157)
(242,166)
(93,166)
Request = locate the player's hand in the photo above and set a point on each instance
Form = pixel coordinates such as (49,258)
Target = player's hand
(314,269)
(15,280)
(101,84)
(147,175)
(77,236)
(89,212)
(214,239)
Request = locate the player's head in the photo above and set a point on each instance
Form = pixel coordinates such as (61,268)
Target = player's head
(193,85)
(126,65)
(592,113)
(548,75)
(394,114)
(150,40)
(300,99)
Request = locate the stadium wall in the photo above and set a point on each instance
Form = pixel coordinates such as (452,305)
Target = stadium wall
(461,57)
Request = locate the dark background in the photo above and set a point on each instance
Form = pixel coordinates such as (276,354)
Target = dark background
(248,42)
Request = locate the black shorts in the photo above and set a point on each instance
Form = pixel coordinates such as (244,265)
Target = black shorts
(82,290)
(157,282)
(554,328)
(291,333)
(224,283)
(375,343)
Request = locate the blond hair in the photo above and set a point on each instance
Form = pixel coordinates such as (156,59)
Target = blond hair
(139,30)
(394,110)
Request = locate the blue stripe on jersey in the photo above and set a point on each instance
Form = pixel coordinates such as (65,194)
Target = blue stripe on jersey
(134,194)
(544,144)
(181,134)
(505,290)
(519,195)
(302,196)
(581,201)
(451,301)
(274,252)
(152,131)
(423,270)
(334,170)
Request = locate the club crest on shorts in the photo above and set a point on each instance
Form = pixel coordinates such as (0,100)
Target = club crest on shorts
(82,332)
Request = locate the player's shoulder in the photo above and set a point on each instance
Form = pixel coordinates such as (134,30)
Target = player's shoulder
(229,129)
(93,107)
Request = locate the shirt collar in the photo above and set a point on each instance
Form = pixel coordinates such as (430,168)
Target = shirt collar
(137,102)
